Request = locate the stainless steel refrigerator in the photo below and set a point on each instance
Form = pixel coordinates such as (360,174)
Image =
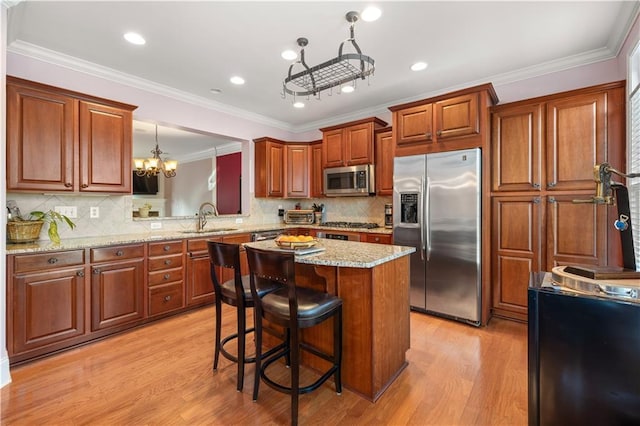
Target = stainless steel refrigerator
(436,209)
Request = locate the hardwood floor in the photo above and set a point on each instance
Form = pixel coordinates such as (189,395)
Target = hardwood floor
(161,375)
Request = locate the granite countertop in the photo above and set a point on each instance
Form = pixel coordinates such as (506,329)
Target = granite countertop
(345,253)
(107,240)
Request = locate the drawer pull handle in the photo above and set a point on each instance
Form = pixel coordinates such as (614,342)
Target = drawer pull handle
(119,253)
(84,185)
(80,273)
(96,271)
(167,262)
(52,260)
(167,276)
(428,135)
(439,133)
(167,248)
(551,184)
(167,298)
(68,184)
(536,186)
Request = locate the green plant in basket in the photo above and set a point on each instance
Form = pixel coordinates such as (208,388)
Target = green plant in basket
(52,218)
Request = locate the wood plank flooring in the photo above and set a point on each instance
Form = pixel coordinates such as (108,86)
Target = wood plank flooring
(161,375)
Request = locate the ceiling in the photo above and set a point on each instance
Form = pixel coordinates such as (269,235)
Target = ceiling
(193,47)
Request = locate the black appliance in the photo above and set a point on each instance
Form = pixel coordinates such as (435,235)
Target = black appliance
(584,357)
(147,185)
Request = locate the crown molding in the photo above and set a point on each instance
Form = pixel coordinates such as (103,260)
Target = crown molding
(30,50)
(228,148)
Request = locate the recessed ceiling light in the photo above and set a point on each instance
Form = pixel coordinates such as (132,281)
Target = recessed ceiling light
(215,91)
(289,55)
(134,38)
(370,14)
(347,89)
(237,80)
(419,66)
(298,105)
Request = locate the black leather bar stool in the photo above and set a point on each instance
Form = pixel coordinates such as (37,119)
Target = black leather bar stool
(235,292)
(294,308)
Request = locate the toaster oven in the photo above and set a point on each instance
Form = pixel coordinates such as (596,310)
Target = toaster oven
(299,217)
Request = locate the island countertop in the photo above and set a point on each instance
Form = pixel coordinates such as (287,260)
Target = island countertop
(345,253)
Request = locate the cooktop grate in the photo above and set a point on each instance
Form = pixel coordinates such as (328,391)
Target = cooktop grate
(367,225)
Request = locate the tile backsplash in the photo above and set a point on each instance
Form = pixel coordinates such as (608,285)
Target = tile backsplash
(116,213)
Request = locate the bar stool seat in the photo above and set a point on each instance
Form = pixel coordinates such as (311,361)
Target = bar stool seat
(235,292)
(294,308)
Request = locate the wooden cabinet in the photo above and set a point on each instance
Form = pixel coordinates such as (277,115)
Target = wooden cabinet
(350,144)
(317,175)
(117,285)
(282,169)
(444,123)
(46,296)
(199,286)
(368,237)
(544,149)
(58,140)
(384,161)
(298,170)
(165,282)
(517,236)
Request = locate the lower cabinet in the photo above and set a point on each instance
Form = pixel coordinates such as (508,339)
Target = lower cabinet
(199,285)
(165,281)
(117,285)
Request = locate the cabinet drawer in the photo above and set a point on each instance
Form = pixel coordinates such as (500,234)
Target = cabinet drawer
(166,276)
(200,245)
(165,262)
(116,253)
(378,238)
(164,248)
(165,298)
(38,262)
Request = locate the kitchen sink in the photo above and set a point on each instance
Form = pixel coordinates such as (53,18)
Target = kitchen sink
(208,231)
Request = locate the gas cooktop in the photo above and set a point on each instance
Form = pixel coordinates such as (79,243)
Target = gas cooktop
(367,225)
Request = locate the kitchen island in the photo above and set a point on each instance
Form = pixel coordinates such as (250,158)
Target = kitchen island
(373,282)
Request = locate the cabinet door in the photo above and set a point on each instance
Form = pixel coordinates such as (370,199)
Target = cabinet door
(457,116)
(384,162)
(414,125)
(105,148)
(576,233)
(576,129)
(516,148)
(516,252)
(333,148)
(316,170)
(117,291)
(47,308)
(297,171)
(358,144)
(40,140)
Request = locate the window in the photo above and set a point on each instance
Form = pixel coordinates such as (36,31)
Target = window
(633,165)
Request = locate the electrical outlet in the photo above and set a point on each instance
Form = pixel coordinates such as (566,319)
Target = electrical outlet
(94,212)
(155,225)
(239,220)
(70,211)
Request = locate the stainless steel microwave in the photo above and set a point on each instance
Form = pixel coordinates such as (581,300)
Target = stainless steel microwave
(350,181)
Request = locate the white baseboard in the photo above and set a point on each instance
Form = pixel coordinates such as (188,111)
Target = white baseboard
(5,376)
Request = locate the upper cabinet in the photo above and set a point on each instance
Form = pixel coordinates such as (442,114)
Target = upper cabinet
(350,143)
(384,161)
(58,140)
(444,123)
(282,169)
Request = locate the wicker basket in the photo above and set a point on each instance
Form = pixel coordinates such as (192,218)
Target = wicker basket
(25,231)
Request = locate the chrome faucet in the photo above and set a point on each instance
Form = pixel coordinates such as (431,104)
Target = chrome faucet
(202,219)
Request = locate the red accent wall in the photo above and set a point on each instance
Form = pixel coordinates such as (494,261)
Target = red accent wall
(228,183)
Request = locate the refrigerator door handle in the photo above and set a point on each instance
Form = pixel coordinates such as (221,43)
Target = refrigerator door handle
(421,220)
(427,219)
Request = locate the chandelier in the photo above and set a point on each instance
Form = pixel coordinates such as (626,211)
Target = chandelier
(152,166)
(343,69)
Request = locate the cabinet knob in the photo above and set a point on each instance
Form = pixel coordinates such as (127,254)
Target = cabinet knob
(428,135)
(439,133)
(536,185)
(536,200)
(551,184)
(552,200)
(68,184)
(167,298)
(167,276)
(166,248)
(96,271)
(80,273)
(84,185)
(119,253)
(167,262)
(52,260)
